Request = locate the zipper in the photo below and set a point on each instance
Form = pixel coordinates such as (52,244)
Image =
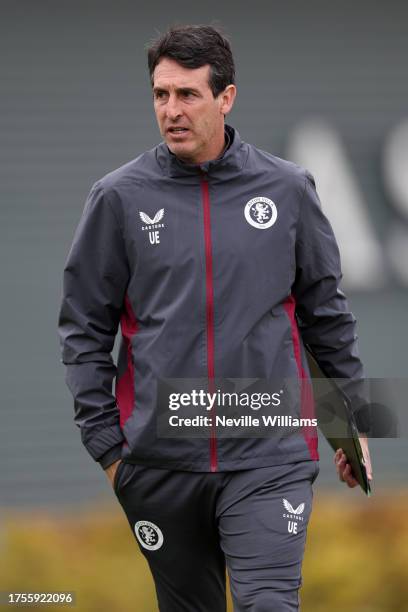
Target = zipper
(209,311)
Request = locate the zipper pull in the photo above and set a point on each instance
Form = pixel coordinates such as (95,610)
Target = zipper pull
(204,173)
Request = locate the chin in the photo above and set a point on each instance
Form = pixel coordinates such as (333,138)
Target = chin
(180,151)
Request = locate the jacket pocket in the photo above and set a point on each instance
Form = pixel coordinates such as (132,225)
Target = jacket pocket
(117,477)
(316,471)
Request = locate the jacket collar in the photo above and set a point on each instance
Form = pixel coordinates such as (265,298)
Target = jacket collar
(231,161)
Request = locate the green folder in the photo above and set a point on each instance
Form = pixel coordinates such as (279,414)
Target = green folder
(336,421)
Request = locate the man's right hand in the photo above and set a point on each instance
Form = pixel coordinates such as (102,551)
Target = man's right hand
(111,471)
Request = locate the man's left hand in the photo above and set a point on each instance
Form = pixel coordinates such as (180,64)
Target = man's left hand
(343,468)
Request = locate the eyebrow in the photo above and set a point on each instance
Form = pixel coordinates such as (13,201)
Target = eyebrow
(178,90)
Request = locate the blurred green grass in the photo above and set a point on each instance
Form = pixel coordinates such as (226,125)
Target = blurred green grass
(356,557)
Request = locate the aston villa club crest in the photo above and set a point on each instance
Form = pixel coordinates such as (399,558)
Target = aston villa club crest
(261,212)
(149,535)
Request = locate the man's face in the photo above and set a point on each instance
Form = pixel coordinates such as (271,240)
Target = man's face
(191,120)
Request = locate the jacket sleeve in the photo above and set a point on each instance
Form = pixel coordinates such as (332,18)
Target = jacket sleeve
(327,326)
(95,281)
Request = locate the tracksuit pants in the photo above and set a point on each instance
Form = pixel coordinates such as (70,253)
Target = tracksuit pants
(190,525)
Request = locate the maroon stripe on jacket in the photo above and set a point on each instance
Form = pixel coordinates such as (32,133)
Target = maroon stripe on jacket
(307,401)
(125,385)
(209,314)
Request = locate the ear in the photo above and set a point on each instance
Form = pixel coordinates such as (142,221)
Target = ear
(227,98)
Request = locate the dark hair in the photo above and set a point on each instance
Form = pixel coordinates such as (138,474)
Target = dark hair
(193,46)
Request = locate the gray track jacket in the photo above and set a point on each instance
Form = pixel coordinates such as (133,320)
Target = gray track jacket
(227,269)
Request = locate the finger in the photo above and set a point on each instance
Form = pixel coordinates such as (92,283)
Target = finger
(348,477)
(367,464)
(340,465)
(344,470)
(341,472)
(369,470)
(340,456)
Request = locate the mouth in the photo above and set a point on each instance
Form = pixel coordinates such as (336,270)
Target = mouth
(177,131)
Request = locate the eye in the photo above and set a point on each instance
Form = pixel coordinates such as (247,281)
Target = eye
(159,95)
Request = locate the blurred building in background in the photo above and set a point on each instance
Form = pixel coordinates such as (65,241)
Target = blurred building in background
(320,83)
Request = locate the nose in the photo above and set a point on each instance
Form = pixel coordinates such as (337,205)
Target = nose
(173,108)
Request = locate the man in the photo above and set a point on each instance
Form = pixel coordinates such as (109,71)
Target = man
(218,263)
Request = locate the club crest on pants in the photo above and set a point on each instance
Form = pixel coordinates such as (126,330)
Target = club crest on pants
(149,535)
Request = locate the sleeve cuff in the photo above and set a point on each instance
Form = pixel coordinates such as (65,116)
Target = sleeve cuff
(100,440)
(112,455)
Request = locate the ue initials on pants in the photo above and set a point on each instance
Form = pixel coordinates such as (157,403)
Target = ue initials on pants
(154,237)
